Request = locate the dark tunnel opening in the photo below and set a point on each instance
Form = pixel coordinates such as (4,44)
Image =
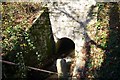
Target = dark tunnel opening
(64,47)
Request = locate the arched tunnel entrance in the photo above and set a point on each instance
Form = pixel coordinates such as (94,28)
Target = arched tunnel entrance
(64,47)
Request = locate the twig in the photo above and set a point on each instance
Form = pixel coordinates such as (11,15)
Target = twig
(33,68)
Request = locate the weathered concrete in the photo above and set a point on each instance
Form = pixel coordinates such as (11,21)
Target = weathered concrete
(69,19)
(61,68)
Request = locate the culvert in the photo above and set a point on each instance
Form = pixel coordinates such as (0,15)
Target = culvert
(64,47)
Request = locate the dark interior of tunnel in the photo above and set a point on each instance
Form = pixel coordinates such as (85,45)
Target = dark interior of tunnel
(64,47)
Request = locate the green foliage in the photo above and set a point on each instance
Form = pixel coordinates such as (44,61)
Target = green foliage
(104,60)
(32,46)
(14,23)
(111,64)
(99,34)
(22,43)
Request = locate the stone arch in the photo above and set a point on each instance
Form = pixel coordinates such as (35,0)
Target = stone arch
(65,46)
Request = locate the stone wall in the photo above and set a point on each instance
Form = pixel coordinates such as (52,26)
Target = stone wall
(41,35)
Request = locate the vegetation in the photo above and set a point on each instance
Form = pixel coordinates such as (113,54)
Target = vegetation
(21,43)
(32,46)
(103,59)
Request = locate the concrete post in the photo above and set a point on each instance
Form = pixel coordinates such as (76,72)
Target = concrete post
(62,69)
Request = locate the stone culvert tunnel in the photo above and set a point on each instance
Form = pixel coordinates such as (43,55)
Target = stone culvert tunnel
(69,21)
